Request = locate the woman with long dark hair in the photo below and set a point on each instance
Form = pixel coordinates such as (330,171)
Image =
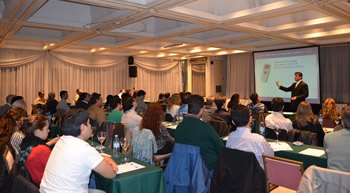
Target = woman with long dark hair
(305,120)
(234,101)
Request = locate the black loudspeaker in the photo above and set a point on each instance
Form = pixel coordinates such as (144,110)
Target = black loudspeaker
(130,60)
(132,71)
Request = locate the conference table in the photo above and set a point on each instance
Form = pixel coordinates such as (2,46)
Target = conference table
(146,180)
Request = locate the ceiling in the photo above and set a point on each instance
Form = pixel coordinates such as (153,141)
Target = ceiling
(173,29)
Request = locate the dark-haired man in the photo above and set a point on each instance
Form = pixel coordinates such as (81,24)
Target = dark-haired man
(193,131)
(276,119)
(6,106)
(130,118)
(95,111)
(141,105)
(71,161)
(300,90)
(63,103)
(242,139)
(337,144)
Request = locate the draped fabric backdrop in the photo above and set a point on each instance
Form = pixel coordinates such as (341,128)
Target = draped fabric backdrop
(240,75)
(198,79)
(25,72)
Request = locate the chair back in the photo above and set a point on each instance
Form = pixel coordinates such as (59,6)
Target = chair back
(307,137)
(21,184)
(109,128)
(320,180)
(329,123)
(260,117)
(144,145)
(169,118)
(186,171)
(283,172)
(220,127)
(237,171)
(270,133)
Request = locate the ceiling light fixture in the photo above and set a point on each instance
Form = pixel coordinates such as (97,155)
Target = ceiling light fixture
(173,45)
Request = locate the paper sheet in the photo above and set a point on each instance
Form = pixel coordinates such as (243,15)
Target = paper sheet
(130,166)
(225,138)
(169,125)
(280,146)
(104,154)
(313,152)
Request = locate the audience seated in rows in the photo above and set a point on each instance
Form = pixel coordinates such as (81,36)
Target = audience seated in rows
(193,131)
(130,118)
(34,151)
(141,105)
(305,120)
(242,139)
(276,118)
(95,111)
(337,145)
(72,160)
(107,106)
(116,114)
(77,96)
(256,107)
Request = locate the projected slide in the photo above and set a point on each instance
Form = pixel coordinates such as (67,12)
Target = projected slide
(280,66)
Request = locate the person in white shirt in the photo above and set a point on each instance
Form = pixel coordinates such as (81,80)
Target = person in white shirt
(130,118)
(72,160)
(276,119)
(40,100)
(63,103)
(242,139)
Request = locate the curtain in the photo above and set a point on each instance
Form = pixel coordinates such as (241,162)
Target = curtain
(240,75)
(334,72)
(24,73)
(198,82)
(154,80)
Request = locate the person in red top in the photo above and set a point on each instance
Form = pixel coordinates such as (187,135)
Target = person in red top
(34,151)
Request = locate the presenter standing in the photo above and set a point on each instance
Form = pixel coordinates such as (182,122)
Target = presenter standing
(300,90)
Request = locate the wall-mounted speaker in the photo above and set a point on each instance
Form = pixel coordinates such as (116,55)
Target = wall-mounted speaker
(131,60)
(132,71)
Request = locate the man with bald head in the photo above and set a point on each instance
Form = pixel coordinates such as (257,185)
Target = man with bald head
(6,106)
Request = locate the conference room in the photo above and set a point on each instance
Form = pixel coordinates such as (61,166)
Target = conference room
(206,48)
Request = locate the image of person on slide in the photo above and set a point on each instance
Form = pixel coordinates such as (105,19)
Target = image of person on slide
(300,90)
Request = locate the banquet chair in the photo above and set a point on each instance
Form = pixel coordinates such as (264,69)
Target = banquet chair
(220,127)
(307,137)
(169,118)
(21,184)
(6,169)
(260,117)
(186,171)
(320,180)
(144,145)
(237,172)
(109,128)
(329,123)
(122,131)
(281,172)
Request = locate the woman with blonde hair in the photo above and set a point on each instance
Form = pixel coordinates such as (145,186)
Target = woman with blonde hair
(306,121)
(329,110)
(173,104)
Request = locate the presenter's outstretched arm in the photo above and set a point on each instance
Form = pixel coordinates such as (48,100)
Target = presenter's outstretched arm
(278,84)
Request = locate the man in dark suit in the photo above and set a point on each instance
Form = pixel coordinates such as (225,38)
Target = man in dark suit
(300,90)
(6,106)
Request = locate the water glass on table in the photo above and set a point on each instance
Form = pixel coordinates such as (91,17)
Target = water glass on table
(277,131)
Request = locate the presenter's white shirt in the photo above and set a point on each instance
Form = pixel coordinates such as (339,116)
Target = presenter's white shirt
(69,166)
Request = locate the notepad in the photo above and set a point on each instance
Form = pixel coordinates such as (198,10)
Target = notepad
(104,154)
(280,146)
(313,152)
(128,167)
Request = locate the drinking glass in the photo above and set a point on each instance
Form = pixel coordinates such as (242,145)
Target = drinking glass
(124,142)
(277,131)
(101,136)
(337,121)
(93,130)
